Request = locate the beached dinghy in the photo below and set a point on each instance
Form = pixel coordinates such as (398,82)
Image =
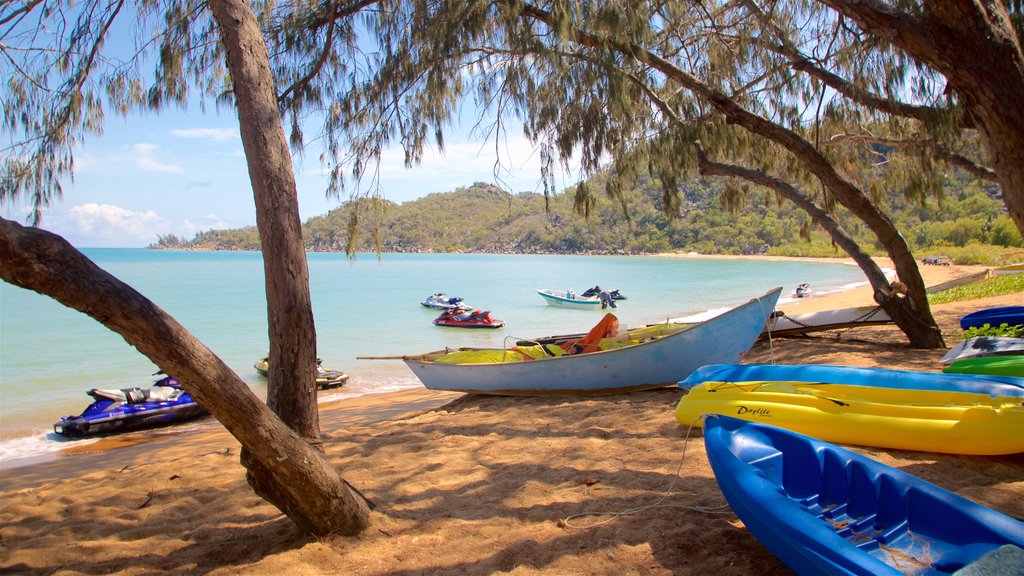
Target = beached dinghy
(995,317)
(982,346)
(112,411)
(810,322)
(924,420)
(857,376)
(825,510)
(602,362)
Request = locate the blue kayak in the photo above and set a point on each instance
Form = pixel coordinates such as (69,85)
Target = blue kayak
(995,317)
(856,376)
(822,509)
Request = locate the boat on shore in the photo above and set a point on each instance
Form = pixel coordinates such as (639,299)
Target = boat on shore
(994,317)
(604,361)
(857,376)
(1006,365)
(983,346)
(922,420)
(125,410)
(822,509)
(810,322)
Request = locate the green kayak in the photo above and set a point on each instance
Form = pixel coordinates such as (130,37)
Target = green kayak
(1010,365)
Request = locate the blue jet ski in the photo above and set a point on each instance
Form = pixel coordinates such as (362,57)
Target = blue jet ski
(112,411)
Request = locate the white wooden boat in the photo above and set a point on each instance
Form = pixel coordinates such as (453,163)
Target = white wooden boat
(670,355)
(569,300)
(796,324)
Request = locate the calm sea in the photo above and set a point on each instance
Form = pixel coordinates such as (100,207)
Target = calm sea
(49,354)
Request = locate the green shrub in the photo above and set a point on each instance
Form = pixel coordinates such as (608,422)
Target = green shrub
(994,286)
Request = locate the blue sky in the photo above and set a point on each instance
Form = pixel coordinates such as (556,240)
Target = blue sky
(184,172)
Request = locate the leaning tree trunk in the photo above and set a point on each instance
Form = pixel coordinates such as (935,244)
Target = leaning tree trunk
(974,45)
(922,333)
(309,489)
(896,305)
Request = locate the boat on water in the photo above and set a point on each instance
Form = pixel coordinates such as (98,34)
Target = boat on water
(1007,365)
(922,420)
(995,317)
(325,379)
(441,301)
(570,299)
(983,346)
(124,410)
(601,362)
(857,376)
(810,322)
(468,319)
(822,509)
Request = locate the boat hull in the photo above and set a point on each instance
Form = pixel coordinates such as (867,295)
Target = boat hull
(1011,365)
(651,364)
(128,418)
(561,300)
(923,420)
(457,324)
(857,376)
(995,317)
(984,346)
(825,510)
(809,322)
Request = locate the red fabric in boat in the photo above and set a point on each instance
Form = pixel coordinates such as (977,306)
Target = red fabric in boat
(606,328)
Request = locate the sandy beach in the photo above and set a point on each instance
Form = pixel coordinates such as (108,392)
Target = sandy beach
(462,484)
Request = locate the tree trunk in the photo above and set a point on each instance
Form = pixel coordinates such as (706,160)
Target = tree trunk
(291,391)
(972,43)
(914,324)
(916,300)
(305,485)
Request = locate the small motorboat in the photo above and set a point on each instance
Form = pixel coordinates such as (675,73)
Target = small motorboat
(803,290)
(442,301)
(324,378)
(587,300)
(468,319)
(113,411)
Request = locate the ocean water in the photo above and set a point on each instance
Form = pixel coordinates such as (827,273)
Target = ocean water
(50,355)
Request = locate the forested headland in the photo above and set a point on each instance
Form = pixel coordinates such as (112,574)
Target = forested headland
(968,223)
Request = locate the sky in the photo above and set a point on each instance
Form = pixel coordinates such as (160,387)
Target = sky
(183,172)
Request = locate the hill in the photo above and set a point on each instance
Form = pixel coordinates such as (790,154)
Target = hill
(969,223)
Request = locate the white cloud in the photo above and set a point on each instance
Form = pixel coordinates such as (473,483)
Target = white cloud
(106,225)
(215,134)
(189,228)
(144,156)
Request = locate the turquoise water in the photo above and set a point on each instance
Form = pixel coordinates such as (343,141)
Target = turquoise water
(49,354)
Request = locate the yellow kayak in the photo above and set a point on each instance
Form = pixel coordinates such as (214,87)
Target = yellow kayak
(925,420)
